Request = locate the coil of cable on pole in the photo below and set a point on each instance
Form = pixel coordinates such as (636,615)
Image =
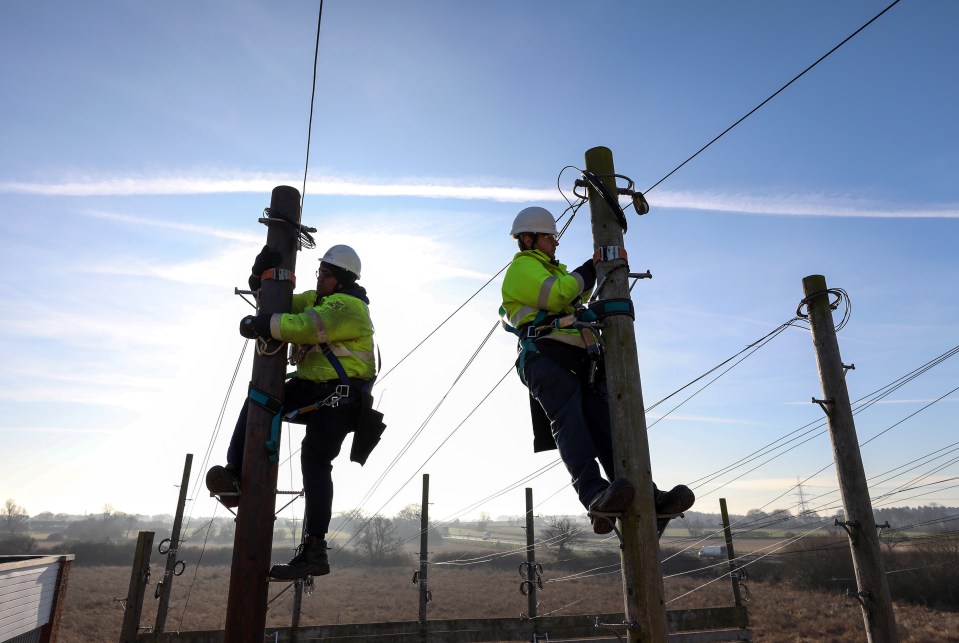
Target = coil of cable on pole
(304,238)
(840,296)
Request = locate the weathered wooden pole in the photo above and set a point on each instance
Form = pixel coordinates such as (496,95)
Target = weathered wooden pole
(860,523)
(530,557)
(424,555)
(642,575)
(139,577)
(297,609)
(166,585)
(730,553)
(247,600)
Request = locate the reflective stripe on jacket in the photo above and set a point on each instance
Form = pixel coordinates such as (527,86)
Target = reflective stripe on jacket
(340,320)
(533,283)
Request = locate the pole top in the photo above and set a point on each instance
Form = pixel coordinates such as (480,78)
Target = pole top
(814,283)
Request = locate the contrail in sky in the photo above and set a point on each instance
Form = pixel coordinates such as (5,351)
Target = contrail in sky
(767,205)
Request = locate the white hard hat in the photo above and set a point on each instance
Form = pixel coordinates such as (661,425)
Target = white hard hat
(534,219)
(343,257)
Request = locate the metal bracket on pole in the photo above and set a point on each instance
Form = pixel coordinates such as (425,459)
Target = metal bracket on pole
(846,525)
(241,293)
(884,525)
(295,494)
(823,403)
(860,596)
(609,627)
(846,368)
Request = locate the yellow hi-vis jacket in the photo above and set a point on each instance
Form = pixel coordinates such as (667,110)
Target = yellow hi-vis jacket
(339,320)
(534,283)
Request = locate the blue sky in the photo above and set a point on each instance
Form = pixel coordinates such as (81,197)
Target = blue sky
(141,143)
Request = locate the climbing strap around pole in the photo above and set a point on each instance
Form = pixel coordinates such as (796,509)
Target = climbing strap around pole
(604,308)
(279,274)
(274,407)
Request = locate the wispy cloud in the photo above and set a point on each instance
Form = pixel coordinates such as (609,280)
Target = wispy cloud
(226,182)
(210,231)
(796,205)
(261,182)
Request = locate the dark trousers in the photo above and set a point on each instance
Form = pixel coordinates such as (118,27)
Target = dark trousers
(326,428)
(579,419)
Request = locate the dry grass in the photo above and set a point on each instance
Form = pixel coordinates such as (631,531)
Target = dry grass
(357,595)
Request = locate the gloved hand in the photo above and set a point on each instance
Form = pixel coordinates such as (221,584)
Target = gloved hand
(252,327)
(588,272)
(268,258)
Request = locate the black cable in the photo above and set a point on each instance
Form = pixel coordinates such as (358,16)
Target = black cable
(817,424)
(755,346)
(416,434)
(201,471)
(442,323)
(776,93)
(309,129)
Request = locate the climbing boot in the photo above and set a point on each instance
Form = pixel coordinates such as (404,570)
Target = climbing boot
(224,483)
(310,560)
(614,499)
(672,503)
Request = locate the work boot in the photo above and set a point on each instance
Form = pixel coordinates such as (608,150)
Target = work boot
(224,483)
(672,502)
(614,499)
(310,560)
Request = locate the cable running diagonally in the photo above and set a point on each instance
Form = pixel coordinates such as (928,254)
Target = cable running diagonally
(309,128)
(216,431)
(442,323)
(751,348)
(774,94)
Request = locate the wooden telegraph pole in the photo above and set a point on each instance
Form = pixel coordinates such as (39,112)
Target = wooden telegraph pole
(246,604)
(166,586)
(642,575)
(860,523)
(424,556)
(139,577)
(530,585)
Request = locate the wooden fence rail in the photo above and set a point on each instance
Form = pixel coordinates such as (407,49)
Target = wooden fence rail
(685,626)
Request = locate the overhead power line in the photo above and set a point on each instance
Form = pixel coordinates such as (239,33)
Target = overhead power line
(309,128)
(773,95)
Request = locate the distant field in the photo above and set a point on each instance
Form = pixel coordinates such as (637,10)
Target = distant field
(360,595)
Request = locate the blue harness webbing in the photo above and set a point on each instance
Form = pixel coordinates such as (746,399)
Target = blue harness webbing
(275,408)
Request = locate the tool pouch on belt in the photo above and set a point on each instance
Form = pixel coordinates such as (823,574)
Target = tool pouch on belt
(369,426)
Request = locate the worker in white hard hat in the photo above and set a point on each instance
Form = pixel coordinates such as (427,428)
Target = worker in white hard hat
(569,399)
(331,335)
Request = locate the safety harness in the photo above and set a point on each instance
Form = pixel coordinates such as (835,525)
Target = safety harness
(587,319)
(369,427)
